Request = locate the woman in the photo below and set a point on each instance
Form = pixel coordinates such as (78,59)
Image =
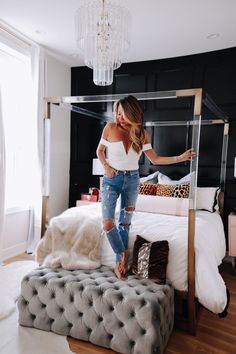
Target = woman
(125,139)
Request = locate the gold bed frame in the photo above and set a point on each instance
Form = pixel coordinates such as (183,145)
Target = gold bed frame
(189,323)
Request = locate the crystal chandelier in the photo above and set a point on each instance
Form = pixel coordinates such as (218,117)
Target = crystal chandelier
(102,35)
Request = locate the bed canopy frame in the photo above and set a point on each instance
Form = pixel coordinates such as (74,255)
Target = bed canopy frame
(67,102)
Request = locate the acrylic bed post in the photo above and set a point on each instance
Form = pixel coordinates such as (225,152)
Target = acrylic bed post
(46,159)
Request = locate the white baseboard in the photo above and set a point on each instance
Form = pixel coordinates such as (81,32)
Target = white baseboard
(13,251)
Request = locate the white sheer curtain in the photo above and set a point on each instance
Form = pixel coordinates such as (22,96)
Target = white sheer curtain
(2,176)
(22,119)
(38,74)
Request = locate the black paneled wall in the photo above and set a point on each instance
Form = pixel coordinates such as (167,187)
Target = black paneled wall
(215,72)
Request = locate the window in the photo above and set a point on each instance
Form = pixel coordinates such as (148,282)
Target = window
(19,127)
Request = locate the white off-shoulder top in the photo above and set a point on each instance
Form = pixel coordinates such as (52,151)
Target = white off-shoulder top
(119,159)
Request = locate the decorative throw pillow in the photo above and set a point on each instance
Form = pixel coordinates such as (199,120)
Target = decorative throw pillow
(162,205)
(150,259)
(147,188)
(207,198)
(163,179)
(177,191)
(152,178)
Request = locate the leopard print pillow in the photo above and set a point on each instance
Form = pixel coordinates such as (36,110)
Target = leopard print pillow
(148,189)
(168,190)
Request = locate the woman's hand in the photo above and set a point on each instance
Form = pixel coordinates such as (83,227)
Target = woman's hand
(187,155)
(109,171)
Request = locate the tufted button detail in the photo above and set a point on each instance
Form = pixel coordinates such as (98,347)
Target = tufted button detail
(143,331)
(100,319)
(35,292)
(111,308)
(43,306)
(80,314)
(131,343)
(53,295)
(71,298)
(32,316)
(61,310)
(121,324)
(143,303)
(110,336)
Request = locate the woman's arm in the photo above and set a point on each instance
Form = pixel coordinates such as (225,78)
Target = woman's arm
(166,160)
(101,149)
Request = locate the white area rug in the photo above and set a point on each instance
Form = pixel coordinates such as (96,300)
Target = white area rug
(15,339)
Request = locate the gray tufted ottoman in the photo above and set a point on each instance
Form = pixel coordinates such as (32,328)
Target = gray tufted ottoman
(132,316)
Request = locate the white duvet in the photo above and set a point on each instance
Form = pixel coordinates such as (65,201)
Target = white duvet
(210,249)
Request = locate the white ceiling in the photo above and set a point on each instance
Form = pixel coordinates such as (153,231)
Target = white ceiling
(160,28)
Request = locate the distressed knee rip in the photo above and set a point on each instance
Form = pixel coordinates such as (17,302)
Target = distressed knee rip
(129,209)
(108,225)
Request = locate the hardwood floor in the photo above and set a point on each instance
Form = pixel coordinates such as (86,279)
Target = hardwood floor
(21,257)
(214,335)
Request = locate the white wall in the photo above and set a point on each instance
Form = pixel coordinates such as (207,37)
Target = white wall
(58,84)
(15,232)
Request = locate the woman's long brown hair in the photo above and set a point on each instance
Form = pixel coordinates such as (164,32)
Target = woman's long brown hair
(134,116)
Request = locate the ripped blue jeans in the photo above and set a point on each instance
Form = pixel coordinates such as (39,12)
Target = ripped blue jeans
(124,184)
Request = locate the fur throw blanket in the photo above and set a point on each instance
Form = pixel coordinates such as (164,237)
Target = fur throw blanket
(72,241)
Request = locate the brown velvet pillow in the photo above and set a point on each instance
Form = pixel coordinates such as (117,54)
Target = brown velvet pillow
(150,259)
(147,188)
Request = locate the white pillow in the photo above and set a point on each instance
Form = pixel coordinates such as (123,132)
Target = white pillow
(153,178)
(162,205)
(207,198)
(163,179)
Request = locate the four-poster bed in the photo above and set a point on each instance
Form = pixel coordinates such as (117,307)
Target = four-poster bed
(195,124)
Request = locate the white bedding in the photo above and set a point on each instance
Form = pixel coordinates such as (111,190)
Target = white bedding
(209,250)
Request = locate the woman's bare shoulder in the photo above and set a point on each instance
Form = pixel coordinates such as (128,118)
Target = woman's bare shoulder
(110,126)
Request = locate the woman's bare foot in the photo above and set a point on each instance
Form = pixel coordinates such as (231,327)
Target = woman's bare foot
(124,261)
(119,271)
